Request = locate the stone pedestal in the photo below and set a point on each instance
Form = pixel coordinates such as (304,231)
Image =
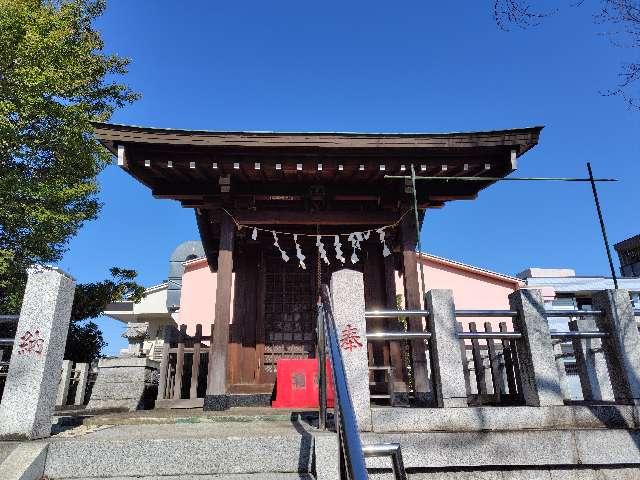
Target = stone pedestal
(65,381)
(539,374)
(445,351)
(83,377)
(591,362)
(130,383)
(622,346)
(34,370)
(347,297)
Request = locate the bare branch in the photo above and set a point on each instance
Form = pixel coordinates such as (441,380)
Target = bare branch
(622,15)
(518,13)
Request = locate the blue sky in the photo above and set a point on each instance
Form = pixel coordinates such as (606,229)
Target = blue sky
(378,67)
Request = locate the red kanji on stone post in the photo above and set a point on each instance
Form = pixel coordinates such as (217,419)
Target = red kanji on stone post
(350,338)
(31,343)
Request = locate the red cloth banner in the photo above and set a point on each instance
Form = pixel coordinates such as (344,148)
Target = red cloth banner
(297,384)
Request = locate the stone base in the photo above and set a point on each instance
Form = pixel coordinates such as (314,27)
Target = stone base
(216,403)
(400,399)
(422,399)
(229,400)
(130,383)
(483,419)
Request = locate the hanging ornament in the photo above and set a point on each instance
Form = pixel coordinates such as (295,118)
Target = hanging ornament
(321,250)
(254,234)
(385,250)
(338,247)
(299,254)
(285,257)
(355,239)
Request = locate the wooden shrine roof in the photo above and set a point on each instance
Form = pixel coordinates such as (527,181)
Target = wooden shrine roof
(193,166)
(521,138)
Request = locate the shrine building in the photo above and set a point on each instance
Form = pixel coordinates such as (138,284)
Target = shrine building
(277,213)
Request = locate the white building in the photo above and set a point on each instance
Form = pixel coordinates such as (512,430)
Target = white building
(151,309)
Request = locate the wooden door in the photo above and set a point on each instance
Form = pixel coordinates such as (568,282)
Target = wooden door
(289,312)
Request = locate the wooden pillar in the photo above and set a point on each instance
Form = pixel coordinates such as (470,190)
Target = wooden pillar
(375,299)
(414,302)
(217,380)
(195,363)
(393,324)
(244,316)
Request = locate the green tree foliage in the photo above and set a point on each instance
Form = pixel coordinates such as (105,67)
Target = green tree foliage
(85,341)
(55,79)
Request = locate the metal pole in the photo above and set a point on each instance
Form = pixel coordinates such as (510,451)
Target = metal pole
(502,179)
(604,231)
(415,211)
(322,372)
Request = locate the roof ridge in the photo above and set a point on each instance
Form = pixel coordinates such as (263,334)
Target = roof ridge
(472,267)
(115,126)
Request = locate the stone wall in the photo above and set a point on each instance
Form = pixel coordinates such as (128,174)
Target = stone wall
(130,383)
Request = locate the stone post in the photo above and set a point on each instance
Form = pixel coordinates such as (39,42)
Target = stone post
(82,373)
(65,380)
(591,362)
(34,370)
(539,375)
(347,297)
(622,347)
(445,351)
(562,374)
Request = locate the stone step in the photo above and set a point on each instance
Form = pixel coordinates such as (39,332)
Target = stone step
(242,476)
(183,451)
(5,449)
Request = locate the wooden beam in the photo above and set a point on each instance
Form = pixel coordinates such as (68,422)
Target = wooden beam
(217,380)
(447,198)
(283,217)
(356,198)
(203,220)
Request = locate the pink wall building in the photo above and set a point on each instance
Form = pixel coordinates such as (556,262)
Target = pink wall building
(473,289)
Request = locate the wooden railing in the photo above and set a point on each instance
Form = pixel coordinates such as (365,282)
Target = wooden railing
(76,390)
(491,368)
(4,369)
(184,366)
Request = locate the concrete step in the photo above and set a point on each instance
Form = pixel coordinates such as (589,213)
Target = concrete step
(254,450)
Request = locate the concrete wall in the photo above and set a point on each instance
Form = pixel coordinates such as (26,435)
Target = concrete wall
(473,288)
(153,302)
(198,299)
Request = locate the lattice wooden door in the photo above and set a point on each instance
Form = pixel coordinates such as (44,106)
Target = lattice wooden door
(289,312)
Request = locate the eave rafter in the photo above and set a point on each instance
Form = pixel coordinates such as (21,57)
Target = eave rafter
(191,166)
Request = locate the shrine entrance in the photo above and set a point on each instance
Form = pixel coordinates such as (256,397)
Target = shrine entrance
(305,186)
(289,313)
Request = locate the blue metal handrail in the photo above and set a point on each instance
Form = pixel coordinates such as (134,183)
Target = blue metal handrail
(352,461)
